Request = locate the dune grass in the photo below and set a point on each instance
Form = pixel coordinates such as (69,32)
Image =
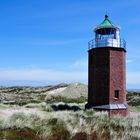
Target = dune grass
(136,108)
(68,125)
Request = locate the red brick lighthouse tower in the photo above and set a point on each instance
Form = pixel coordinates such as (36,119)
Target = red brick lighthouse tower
(107,70)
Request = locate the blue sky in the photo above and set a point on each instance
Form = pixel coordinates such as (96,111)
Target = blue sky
(44,42)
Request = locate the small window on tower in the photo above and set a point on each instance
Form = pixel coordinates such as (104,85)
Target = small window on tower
(117,94)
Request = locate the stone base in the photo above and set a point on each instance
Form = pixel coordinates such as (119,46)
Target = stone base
(112,109)
(122,112)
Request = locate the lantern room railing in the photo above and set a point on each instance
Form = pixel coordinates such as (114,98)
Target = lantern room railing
(108,42)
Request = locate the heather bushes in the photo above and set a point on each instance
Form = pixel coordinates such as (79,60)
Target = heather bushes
(63,106)
(19,134)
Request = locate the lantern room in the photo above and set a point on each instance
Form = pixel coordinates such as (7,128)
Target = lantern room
(107,35)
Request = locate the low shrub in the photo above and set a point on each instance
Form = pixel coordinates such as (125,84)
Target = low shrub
(133,98)
(19,134)
(80,136)
(58,130)
(55,99)
(64,106)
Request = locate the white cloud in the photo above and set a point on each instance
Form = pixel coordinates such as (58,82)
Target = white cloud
(37,75)
(81,65)
(47,42)
(77,73)
(41,75)
(129,61)
(133,78)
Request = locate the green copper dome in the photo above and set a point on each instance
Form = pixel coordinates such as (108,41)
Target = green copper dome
(106,24)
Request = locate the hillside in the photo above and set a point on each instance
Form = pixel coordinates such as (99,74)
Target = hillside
(62,92)
(76,92)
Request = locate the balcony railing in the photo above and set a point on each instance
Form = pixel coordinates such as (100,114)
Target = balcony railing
(107,42)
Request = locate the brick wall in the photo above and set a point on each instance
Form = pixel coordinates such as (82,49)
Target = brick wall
(117,75)
(123,112)
(98,77)
(106,74)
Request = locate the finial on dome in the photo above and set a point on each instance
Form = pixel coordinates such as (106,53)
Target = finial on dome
(106,16)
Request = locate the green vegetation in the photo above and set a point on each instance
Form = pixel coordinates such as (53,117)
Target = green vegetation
(133,98)
(69,125)
(66,99)
(57,113)
(19,134)
(136,108)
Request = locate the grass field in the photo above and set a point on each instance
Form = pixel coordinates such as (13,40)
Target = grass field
(34,116)
(41,122)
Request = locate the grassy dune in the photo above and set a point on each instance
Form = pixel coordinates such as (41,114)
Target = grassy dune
(68,125)
(57,113)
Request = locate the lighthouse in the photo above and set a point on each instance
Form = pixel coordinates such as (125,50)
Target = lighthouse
(107,70)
